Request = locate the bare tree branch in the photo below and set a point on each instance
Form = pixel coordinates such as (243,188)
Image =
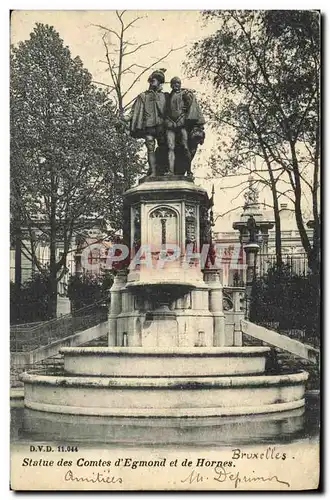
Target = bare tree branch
(105,85)
(132,22)
(112,73)
(132,66)
(149,67)
(227,212)
(138,48)
(107,29)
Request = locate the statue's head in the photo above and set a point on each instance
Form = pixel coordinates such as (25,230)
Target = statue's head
(156,79)
(175,84)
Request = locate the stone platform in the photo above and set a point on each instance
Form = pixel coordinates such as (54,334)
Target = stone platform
(137,382)
(170,362)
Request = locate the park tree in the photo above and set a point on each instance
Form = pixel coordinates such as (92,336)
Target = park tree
(265,70)
(123,60)
(69,164)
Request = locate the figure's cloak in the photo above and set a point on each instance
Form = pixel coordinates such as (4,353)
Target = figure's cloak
(194,115)
(136,123)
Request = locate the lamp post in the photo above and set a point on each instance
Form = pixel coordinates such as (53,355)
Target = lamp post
(251,250)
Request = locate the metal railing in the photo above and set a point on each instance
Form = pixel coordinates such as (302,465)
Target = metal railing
(302,335)
(297,263)
(29,339)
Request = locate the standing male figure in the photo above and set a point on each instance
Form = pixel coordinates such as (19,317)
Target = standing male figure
(147,118)
(183,116)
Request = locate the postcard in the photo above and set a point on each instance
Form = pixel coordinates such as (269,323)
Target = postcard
(165,250)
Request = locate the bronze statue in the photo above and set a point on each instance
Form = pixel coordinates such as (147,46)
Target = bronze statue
(184,125)
(252,229)
(147,118)
(173,120)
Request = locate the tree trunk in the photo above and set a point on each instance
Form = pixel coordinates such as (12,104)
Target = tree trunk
(52,299)
(52,296)
(18,271)
(18,257)
(311,251)
(314,260)
(278,242)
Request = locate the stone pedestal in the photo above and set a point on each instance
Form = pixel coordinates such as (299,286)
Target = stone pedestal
(251,250)
(115,307)
(171,353)
(164,298)
(212,279)
(63,306)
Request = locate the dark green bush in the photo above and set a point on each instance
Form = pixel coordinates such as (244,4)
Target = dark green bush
(29,303)
(289,301)
(88,289)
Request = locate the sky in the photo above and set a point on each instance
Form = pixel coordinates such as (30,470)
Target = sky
(168,30)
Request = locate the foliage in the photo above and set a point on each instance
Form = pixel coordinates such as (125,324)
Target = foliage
(88,289)
(30,303)
(69,161)
(265,69)
(289,301)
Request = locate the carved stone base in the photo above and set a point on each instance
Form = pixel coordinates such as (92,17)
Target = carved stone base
(166,177)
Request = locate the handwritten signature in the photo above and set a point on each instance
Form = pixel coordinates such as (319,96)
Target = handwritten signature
(221,475)
(94,478)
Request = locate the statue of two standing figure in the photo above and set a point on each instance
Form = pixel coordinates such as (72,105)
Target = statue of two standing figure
(171,121)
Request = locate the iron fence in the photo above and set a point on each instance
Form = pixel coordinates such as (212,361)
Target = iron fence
(27,339)
(288,303)
(296,263)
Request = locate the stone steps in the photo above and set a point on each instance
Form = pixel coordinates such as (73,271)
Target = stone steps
(99,342)
(288,362)
(281,341)
(283,361)
(55,364)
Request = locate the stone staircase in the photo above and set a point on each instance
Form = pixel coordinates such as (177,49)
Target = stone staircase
(37,347)
(99,342)
(282,361)
(283,342)
(54,365)
(290,363)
